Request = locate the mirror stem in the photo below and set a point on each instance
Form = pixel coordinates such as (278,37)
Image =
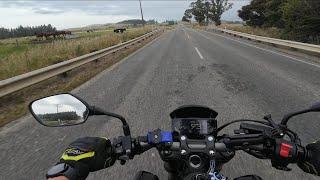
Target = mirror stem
(286,118)
(98,111)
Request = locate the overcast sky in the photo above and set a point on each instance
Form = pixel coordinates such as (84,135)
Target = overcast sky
(64,102)
(72,13)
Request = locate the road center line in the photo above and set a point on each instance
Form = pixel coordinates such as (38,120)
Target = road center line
(267,50)
(186,34)
(200,55)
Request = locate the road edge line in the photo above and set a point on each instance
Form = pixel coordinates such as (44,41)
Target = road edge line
(263,49)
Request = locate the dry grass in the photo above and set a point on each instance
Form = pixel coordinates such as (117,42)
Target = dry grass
(15,105)
(198,26)
(36,56)
(266,32)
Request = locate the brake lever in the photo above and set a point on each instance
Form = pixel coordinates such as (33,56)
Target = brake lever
(123,148)
(277,131)
(123,159)
(256,154)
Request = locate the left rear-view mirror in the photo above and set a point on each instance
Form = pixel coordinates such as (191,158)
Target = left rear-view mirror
(59,110)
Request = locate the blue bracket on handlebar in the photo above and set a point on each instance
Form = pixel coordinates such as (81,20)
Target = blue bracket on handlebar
(159,136)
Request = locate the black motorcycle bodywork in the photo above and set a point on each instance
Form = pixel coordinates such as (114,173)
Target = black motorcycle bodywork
(193,149)
(196,159)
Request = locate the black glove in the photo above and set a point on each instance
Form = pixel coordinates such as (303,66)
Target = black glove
(312,164)
(89,154)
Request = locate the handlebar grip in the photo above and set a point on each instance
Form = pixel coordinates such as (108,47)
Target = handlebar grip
(311,164)
(245,139)
(289,151)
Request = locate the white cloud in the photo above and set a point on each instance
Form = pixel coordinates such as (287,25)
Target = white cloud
(66,14)
(61,20)
(47,11)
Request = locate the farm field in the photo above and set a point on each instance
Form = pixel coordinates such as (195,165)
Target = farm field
(21,55)
(15,105)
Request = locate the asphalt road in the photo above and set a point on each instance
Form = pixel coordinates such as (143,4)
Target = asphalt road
(183,66)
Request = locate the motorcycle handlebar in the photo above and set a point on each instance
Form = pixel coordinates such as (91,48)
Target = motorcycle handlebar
(279,150)
(230,143)
(176,146)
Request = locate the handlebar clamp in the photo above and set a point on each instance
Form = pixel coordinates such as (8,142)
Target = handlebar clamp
(158,136)
(190,145)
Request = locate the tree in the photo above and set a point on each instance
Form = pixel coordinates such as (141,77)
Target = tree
(185,19)
(273,13)
(266,13)
(151,21)
(302,19)
(198,11)
(217,8)
(204,11)
(297,19)
(253,14)
(207,5)
(25,31)
(187,15)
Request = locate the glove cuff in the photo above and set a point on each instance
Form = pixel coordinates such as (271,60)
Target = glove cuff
(63,169)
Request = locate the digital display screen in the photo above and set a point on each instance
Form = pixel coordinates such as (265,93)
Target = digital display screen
(194,127)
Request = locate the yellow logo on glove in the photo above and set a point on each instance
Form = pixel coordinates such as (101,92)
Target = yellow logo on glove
(74,154)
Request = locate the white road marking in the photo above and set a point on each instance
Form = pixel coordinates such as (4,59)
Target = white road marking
(200,55)
(186,34)
(267,50)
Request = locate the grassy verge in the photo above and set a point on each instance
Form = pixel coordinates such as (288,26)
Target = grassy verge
(266,32)
(15,105)
(28,56)
(269,32)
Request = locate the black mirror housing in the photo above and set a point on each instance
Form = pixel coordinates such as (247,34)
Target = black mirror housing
(60,110)
(315,107)
(68,110)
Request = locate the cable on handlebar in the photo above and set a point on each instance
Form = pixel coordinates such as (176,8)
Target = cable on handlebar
(242,120)
(292,135)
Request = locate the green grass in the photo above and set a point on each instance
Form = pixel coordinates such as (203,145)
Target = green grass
(92,34)
(10,46)
(32,55)
(8,49)
(266,32)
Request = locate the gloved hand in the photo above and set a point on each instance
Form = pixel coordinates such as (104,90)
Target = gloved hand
(89,154)
(312,164)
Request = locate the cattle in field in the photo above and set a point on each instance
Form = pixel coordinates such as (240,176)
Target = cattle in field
(54,34)
(119,30)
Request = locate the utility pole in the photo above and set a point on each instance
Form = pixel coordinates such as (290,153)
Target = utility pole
(141,13)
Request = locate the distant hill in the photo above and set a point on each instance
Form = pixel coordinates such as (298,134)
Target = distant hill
(131,21)
(125,23)
(91,27)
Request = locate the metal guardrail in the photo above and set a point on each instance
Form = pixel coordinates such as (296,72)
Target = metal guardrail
(305,47)
(19,82)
